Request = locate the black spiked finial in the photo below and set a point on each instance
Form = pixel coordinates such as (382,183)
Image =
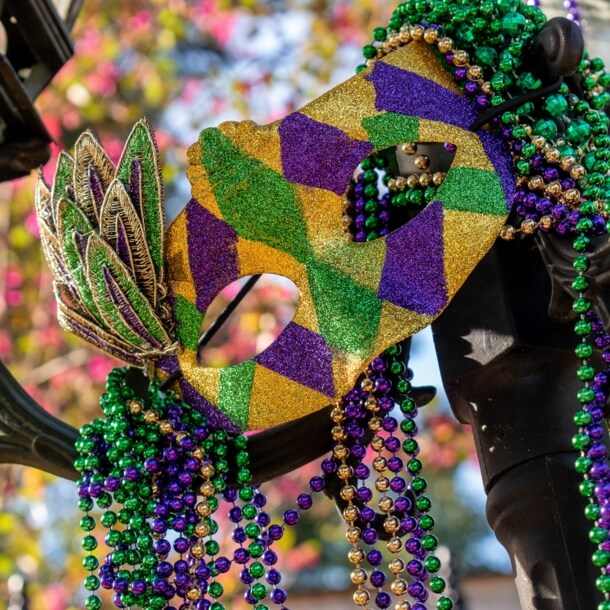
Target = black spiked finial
(557,50)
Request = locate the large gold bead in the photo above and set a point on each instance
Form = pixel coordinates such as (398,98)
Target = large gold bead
(135,406)
(350,513)
(554,189)
(348,493)
(361,597)
(180,436)
(377,443)
(401,183)
(425,179)
(150,417)
(386,504)
(355,555)
(346,221)
(438,178)
(353,534)
(375,424)
(445,45)
(193,593)
(165,427)
(460,58)
(358,576)
(539,142)
(567,162)
(391,524)
(380,464)
(345,472)
(394,545)
(552,155)
(198,453)
(207,489)
(396,566)
(546,221)
(341,452)
(207,471)
(536,183)
(508,232)
(203,509)
(404,36)
(409,148)
(431,35)
(338,433)
(398,586)
(382,484)
(367,384)
(417,32)
(202,530)
(371,404)
(422,162)
(475,73)
(198,550)
(529,226)
(486,88)
(337,415)
(577,171)
(571,196)
(402,605)
(413,181)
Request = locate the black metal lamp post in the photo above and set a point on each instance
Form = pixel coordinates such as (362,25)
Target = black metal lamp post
(35,43)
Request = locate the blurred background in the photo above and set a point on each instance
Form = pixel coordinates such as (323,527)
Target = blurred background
(187,65)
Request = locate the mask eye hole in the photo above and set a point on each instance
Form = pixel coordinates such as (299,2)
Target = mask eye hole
(264,312)
(390,187)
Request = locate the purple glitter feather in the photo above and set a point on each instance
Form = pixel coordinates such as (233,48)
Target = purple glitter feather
(407,93)
(127,312)
(413,275)
(319,155)
(303,356)
(95,340)
(95,187)
(135,186)
(212,253)
(122,243)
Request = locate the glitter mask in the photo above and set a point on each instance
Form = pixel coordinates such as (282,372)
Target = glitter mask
(268,200)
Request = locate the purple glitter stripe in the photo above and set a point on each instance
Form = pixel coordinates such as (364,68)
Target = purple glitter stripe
(413,275)
(122,243)
(101,344)
(96,188)
(129,315)
(319,155)
(212,253)
(501,158)
(135,186)
(303,356)
(216,419)
(81,244)
(407,93)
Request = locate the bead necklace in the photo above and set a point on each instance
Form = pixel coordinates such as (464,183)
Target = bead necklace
(561,151)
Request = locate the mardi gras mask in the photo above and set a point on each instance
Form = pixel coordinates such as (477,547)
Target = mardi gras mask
(269,200)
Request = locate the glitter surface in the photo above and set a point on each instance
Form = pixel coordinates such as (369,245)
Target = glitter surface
(414,275)
(319,155)
(301,355)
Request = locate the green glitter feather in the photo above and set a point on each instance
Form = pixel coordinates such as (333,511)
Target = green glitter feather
(100,256)
(141,145)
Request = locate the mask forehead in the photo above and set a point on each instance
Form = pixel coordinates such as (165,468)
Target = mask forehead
(269,200)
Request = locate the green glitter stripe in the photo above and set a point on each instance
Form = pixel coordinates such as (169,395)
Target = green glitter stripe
(235,390)
(188,322)
(140,145)
(348,313)
(100,255)
(483,192)
(71,220)
(390,128)
(259,203)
